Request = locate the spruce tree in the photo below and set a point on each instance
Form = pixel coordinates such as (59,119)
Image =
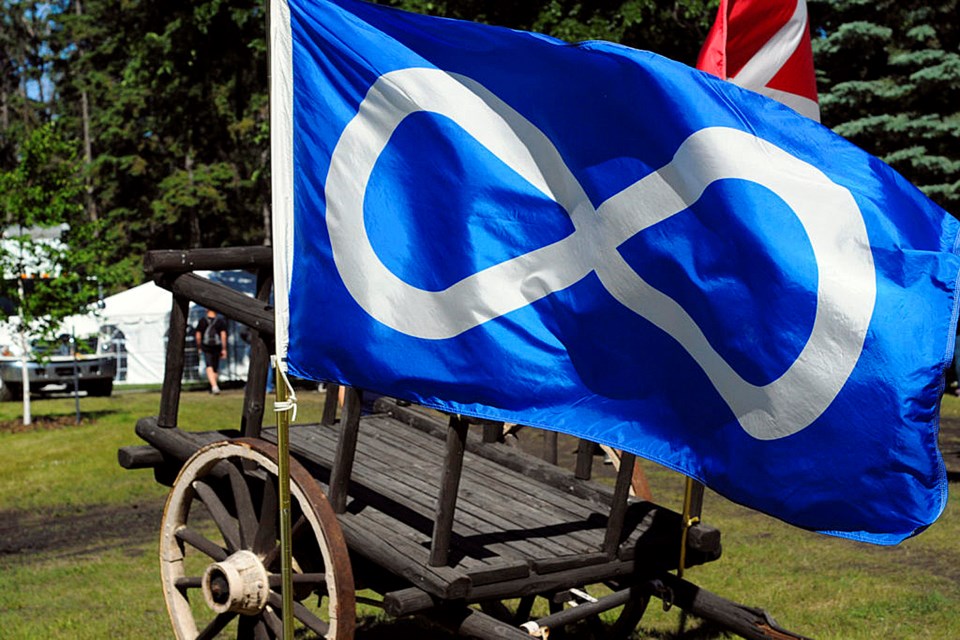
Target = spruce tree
(889,80)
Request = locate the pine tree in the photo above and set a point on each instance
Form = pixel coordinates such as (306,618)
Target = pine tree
(889,80)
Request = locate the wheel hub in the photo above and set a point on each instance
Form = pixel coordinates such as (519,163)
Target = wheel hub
(238,584)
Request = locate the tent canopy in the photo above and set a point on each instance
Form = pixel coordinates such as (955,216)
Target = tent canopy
(133,324)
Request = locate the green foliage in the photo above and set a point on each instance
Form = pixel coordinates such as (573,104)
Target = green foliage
(178,115)
(675,29)
(889,80)
(48,278)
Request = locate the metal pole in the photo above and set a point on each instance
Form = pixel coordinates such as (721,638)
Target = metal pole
(76,372)
(692,508)
(283,430)
(283,465)
(25,373)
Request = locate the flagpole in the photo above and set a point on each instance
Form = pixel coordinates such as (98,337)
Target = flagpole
(284,404)
(283,409)
(692,508)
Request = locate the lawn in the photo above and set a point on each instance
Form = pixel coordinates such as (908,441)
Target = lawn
(79,539)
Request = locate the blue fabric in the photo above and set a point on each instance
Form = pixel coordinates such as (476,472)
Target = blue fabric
(440,206)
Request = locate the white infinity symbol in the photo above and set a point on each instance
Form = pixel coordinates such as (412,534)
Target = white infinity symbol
(846,283)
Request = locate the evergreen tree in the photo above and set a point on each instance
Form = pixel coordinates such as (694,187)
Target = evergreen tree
(177,109)
(889,80)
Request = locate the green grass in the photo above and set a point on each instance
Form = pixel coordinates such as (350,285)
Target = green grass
(816,585)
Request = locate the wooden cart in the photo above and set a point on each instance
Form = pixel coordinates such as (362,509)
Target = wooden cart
(416,512)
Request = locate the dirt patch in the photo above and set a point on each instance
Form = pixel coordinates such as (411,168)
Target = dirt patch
(42,423)
(83,532)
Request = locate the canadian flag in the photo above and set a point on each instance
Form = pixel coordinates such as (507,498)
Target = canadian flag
(764,46)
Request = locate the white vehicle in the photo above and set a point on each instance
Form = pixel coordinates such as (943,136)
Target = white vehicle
(59,367)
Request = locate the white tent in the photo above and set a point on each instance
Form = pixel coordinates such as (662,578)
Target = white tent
(137,320)
(133,325)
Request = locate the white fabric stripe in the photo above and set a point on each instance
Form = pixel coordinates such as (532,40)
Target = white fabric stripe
(802,105)
(831,219)
(765,64)
(281,163)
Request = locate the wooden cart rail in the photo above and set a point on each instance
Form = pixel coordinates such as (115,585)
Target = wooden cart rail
(435,516)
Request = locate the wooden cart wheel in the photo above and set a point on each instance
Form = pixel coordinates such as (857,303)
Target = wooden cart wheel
(220,554)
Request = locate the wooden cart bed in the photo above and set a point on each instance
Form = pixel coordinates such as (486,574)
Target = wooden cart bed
(525,522)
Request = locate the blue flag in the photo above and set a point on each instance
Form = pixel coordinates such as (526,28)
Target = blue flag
(603,242)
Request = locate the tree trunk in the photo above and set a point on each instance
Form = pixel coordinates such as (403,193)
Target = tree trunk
(89,202)
(265,203)
(192,217)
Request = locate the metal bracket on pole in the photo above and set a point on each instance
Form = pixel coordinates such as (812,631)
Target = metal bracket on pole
(692,509)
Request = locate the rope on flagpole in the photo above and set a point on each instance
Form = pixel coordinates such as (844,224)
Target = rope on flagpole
(285,406)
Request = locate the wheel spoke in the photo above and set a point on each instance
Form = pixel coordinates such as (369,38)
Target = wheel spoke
(188,582)
(216,625)
(246,517)
(273,621)
(298,528)
(629,617)
(523,609)
(252,628)
(245,628)
(260,631)
(315,580)
(201,544)
(225,522)
(267,530)
(301,613)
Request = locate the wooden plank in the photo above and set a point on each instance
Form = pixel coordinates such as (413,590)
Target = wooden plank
(511,458)
(550,446)
(489,469)
(330,403)
(177,443)
(207,259)
(416,600)
(379,442)
(492,431)
(173,365)
(493,514)
(139,457)
(651,541)
(471,623)
(413,494)
(499,572)
(342,467)
(542,503)
(531,468)
(386,546)
(480,505)
(584,464)
(449,485)
(614,534)
(565,563)
(222,299)
(654,529)
(254,391)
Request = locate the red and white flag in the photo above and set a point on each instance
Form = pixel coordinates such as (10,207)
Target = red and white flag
(764,46)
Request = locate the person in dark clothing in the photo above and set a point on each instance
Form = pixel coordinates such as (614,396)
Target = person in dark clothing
(211,338)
